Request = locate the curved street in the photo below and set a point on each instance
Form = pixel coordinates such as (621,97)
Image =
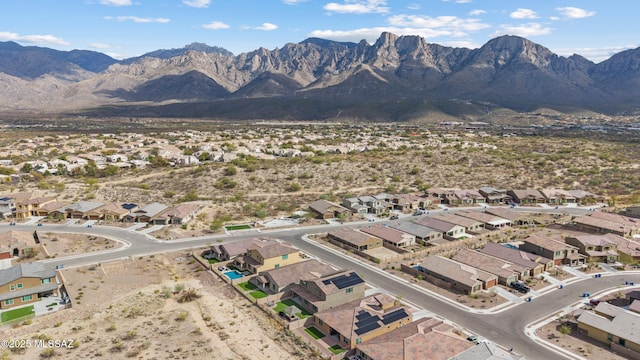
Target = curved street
(506,327)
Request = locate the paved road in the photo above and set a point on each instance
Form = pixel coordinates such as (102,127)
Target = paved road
(506,328)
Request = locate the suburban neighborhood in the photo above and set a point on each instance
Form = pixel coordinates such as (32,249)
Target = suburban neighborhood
(334,272)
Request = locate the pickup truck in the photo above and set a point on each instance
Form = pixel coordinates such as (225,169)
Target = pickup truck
(520,287)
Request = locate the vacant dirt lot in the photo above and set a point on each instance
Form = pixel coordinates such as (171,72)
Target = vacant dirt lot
(66,244)
(157,307)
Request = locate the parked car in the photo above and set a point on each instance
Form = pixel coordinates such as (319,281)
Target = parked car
(417,213)
(394,217)
(473,339)
(520,287)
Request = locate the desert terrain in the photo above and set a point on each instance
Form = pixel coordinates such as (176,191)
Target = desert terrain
(157,307)
(167,307)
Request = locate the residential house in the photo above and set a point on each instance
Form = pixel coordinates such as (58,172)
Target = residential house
(52,208)
(261,258)
(18,244)
(82,210)
(535,264)
(557,196)
(328,210)
(26,283)
(7,207)
(604,222)
(423,233)
(355,239)
(494,196)
(464,278)
(632,211)
(414,340)
(111,212)
(628,250)
(281,279)
(409,202)
(26,208)
(175,215)
(329,291)
(585,198)
(614,326)
(445,196)
(487,350)
(506,272)
(596,248)
(526,197)
(489,221)
(145,213)
(386,201)
(355,206)
(467,197)
(470,226)
(516,217)
(449,230)
(186,160)
(358,321)
(556,250)
(115,158)
(390,236)
(374,206)
(9,203)
(231,250)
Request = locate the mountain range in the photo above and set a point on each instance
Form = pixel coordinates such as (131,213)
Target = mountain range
(397,78)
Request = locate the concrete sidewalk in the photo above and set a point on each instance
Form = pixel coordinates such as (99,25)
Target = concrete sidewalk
(575,272)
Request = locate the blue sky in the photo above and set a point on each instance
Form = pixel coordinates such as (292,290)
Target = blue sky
(595,29)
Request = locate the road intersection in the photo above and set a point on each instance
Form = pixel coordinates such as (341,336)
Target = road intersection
(510,326)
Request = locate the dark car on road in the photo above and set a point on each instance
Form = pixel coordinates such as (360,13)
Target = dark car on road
(520,287)
(393,217)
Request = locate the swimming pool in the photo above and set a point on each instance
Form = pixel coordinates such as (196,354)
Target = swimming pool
(234,274)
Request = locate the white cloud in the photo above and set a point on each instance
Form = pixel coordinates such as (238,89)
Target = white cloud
(574,12)
(116,2)
(264,27)
(358,7)
(197,3)
(463,1)
(413,6)
(476,12)
(267,27)
(32,39)
(525,30)
(424,26)
(138,19)
(594,54)
(99,46)
(216,25)
(293,2)
(452,24)
(524,14)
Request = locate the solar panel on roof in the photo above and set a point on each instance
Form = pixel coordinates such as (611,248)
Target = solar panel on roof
(367,321)
(366,329)
(362,315)
(129,206)
(394,316)
(346,281)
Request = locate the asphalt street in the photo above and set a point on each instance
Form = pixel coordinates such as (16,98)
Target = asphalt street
(506,327)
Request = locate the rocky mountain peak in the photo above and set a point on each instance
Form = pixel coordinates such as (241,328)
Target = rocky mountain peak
(509,71)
